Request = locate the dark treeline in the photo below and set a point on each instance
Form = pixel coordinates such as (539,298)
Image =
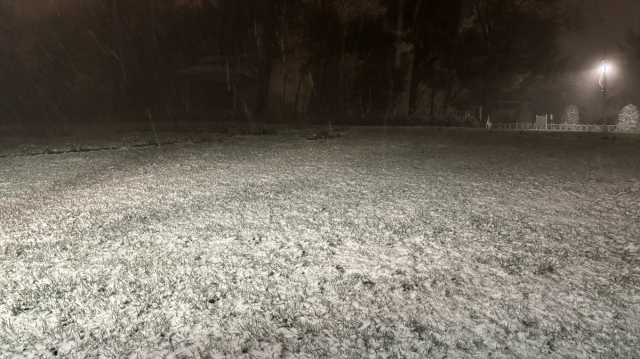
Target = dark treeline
(330,57)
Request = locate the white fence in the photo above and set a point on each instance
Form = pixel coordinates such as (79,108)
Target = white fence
(560,127)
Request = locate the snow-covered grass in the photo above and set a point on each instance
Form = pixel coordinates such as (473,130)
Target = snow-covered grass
(377,244)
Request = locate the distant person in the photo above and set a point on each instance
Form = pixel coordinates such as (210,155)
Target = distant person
(488,123)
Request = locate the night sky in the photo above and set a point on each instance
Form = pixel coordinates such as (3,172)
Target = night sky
(607,21)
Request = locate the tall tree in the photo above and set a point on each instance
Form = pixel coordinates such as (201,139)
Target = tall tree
(12,71)
(254,31)
(349,56)
(429,26)
(510,44)
(630,49)
(109,56)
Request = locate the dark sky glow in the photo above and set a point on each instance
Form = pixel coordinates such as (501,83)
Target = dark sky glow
(607,21)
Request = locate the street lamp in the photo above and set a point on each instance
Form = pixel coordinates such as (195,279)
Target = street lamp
(604,68)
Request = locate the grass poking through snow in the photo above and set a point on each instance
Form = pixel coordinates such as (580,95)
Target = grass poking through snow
(377,244)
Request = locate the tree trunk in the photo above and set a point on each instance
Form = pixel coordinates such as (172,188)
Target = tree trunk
(265,85)
(341,70)
(284,92)
(415,77)
(447,95)
(447,98)
(266,37)
(432,100)
(295,102)
(483,105)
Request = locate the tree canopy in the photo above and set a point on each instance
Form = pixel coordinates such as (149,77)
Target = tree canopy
(343,57)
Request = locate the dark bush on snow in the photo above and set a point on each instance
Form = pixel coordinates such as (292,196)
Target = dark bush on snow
(452,122)
(383,120)
(257,129)
(318,133)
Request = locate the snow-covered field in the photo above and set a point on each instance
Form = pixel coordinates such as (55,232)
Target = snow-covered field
(377,244)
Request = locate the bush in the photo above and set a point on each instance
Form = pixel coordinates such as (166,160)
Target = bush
(452,122)
(524,114)
(257,129)
(318,133)
(384,120)
(571,116)
(629,118)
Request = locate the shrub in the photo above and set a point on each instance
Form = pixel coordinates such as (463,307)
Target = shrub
(524,114)
(452,122)
(571,116)
(629,118)
(318,133)
(257,129)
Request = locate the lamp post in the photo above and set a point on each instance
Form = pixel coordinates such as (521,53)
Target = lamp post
(603,83)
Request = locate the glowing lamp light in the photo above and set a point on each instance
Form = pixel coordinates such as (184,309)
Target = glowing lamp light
(604,68)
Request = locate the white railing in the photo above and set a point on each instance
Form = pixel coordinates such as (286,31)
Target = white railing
(517,126)
(560,127)
(437,113)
